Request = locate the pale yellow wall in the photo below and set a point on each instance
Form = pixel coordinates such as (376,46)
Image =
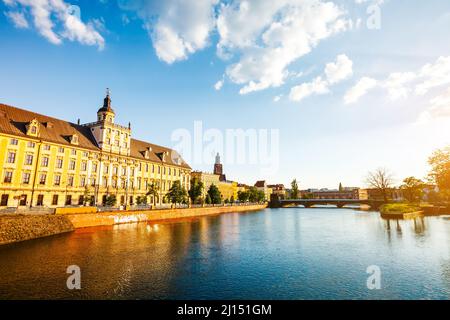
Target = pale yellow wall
(15,188)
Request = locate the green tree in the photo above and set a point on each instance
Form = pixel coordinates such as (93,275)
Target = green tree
(141,200)
(214,194)
(243,196)
(341,188)
(232,199)
(440,171)
(177,193)
(196,190)
(261,196)
(253,194)
(294,189)
(153,190)
(110,200)
(412,189)
(207,199)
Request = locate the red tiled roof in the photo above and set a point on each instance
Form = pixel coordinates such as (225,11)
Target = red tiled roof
(13,121)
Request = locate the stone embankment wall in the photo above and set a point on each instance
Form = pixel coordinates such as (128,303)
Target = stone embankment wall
(118,217)
(15,228)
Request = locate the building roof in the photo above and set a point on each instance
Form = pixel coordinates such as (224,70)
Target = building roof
(260,183)
(13,121)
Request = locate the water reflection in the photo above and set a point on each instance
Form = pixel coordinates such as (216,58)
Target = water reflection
(290,253)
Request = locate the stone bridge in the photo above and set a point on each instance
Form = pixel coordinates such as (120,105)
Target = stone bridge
(275,202)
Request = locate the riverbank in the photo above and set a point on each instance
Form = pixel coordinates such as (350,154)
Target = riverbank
(16,228)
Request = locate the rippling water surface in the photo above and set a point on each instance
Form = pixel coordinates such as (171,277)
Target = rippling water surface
(293,253)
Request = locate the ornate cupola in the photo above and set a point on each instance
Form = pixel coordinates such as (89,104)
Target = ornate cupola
(106,113)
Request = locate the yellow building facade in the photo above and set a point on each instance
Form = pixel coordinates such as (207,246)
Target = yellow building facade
(228,189)
(47,162)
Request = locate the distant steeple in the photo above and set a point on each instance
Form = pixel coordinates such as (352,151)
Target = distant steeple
(107,103)
(217,158)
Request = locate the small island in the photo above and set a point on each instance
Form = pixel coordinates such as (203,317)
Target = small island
(400,211)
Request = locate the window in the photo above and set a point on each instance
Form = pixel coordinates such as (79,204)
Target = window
(23,200)
(94,167)
(124,171)
(83,166)
(8,177)
(115,170)
(11,157)
(72,165)
(4,201)
(61,150)
(93,181)
(57,180)
(106,169)
(14,142)
(40,200)
(26,177)
(31,144)
(55,200)
(146,167)
(59,163)
(42,178)
(169,171)
(81,200)
(73,151)
(46,147)
(82,181)
(44,162)
(108,141)
(33,130)
(68,200)
(70,181)
(85,154)
(116,142)
(29,159)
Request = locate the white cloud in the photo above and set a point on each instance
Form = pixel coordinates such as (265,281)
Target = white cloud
(277,98)
(339,70)
(360,89)
(334,73)
(51,14)
(434,75)
(267,36)
(177,28)
(18,18)
(318,86)
(439,108)
(430,76)
(218,85)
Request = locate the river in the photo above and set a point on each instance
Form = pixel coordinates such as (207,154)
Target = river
(290,253)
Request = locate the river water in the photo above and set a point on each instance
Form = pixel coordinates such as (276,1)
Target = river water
(290,253)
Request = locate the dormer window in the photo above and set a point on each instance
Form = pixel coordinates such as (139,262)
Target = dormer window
(74,139)
(33,128)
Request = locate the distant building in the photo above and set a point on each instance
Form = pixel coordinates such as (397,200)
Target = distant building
(278,189)
(262,186)
(218,168)
(393,194)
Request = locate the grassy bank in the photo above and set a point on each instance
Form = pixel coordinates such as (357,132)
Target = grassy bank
(399,208)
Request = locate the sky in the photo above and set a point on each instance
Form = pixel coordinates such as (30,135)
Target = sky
(330,90)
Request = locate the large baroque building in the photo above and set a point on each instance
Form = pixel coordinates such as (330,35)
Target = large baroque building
(50,162)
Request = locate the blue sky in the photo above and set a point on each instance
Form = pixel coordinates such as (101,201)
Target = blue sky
(348,92)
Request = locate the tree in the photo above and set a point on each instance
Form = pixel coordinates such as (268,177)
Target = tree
(207,199)
(141,200)
(294,189)
(380,179)
(153,190)
(261,196)
(253,195)
(243,196)
(341,188)
(232,199)
(440,170)
(412,189)
(110,200)
(196,190)
(177,193)
(214,194)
